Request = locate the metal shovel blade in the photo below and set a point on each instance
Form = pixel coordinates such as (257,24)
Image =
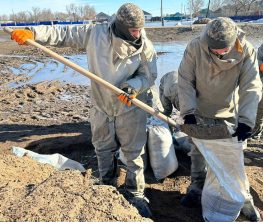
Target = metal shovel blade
(206,132)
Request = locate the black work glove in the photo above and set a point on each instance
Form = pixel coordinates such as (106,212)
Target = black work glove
(243,132)
(190,119)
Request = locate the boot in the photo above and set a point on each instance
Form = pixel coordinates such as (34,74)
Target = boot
(142,205)
(140,202)
(250,212)
(110,178)
(191,199)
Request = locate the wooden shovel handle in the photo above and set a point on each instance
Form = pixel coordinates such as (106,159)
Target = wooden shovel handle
(98,80)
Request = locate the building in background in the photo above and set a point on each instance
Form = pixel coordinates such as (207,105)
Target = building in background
(147,16)
(103,17)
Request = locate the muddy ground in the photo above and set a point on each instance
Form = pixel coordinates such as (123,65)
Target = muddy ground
(53,117)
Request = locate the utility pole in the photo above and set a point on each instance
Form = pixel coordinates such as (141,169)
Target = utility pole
(207,12)
(162,13)
(191,17)
(14,17)
(181,13)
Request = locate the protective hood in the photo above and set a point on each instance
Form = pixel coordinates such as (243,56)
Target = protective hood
(228,60)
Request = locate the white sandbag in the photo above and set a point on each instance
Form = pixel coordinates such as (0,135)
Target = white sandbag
(160,147)
(226,184)
(56,160)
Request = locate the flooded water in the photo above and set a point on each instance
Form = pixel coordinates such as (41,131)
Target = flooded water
(54,70)
(170,55)
(169,58)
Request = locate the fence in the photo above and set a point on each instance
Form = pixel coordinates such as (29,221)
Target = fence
(43,23)
(246,18)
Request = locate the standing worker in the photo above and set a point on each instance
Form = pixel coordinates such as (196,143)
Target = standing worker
(118,53)
(257,131)
(216,65)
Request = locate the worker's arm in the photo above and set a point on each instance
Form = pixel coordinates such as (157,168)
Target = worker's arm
(187,82)
(73,36)
(166,102)
(250,88)
(260,60)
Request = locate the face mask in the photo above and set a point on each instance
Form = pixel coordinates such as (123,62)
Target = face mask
(124,33)
(220,52)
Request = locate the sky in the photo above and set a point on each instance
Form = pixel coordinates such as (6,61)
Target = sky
(8,7)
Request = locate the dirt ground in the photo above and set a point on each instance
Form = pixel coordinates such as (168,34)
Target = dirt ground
(53,117)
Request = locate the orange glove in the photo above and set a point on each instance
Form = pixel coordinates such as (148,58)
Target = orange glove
(127,96)
(21,35)
(261,67)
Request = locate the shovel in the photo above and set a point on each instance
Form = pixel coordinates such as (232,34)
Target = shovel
(100,81)
(197,131)
(206,132)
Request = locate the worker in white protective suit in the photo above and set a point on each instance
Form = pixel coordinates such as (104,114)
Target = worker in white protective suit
(118,53)
(258,129)
(216,65)
(168,92)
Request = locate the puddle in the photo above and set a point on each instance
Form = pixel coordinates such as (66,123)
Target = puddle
(169,57)
(53,70)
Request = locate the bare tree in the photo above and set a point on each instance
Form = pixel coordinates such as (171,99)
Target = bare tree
(60,16)
(22,16)
(234,6)
(12,17)
(257,7)
(216,4)
(35,14)
(195,6)
(81,12)
(89,12)
(46,15)
(72,11)
(3,17)
(246,5)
